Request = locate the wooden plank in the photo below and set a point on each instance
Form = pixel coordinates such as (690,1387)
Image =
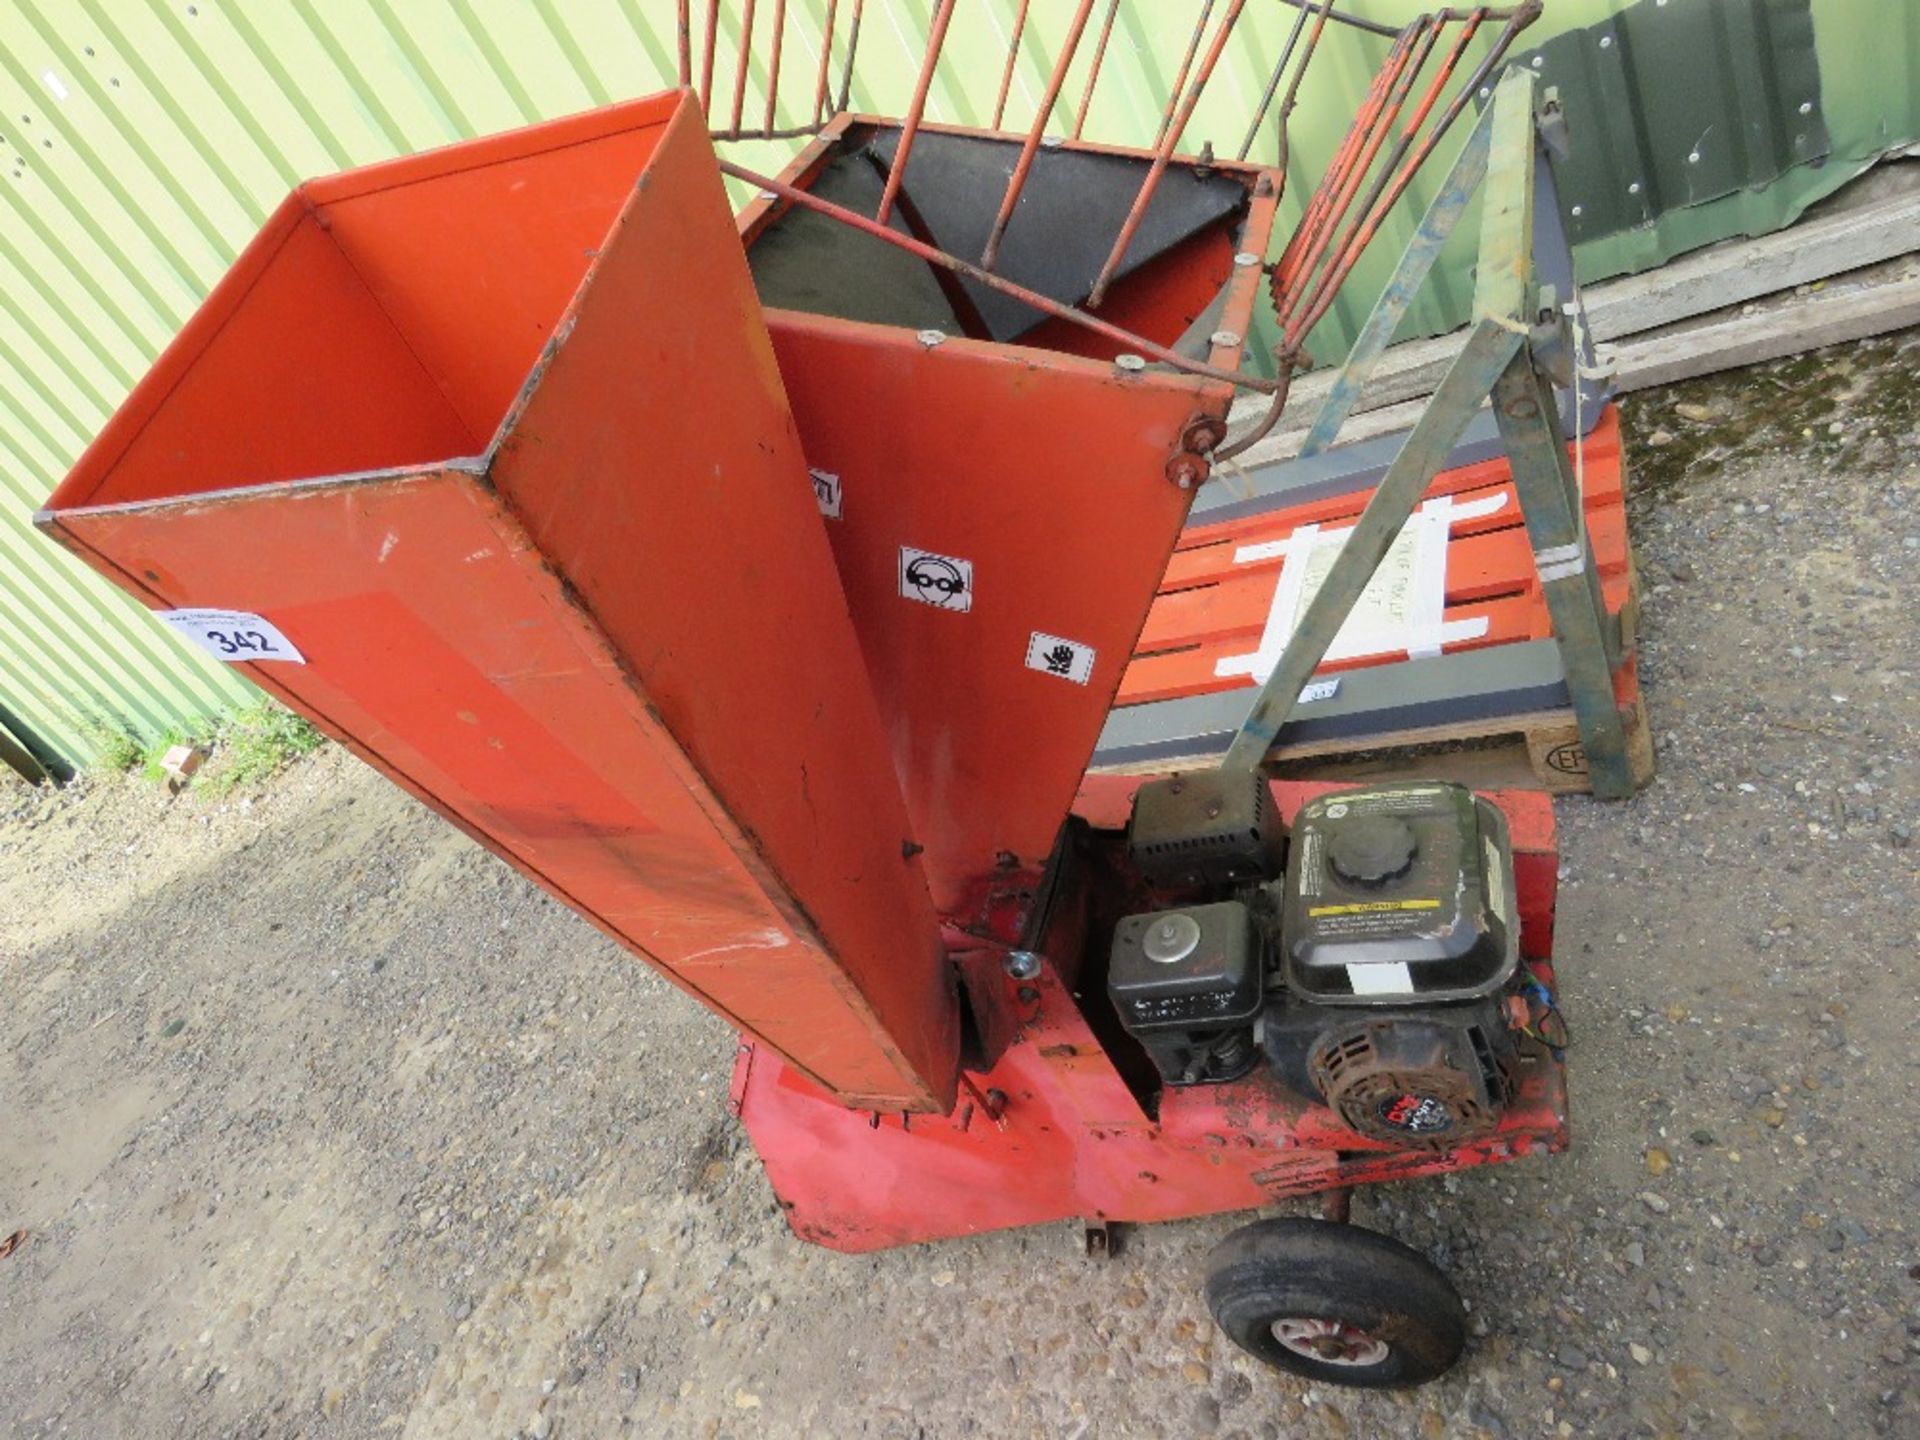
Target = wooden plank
(1737,271)
(1551,739)
(1825,317)
(1731,273)
(1822,318)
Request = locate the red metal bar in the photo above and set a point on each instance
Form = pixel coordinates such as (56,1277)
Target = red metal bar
(1013,56)
(773,66)
(1367,217)
(1179,85)
(1293,86)
(1168,140)
(826,54)
(1321,200)
(706,58)
(740,69)
(1336,170)
(1522,17)
(1273,81)
(1379,127)
(686,44)
(853,46)
(910,127)
(1093,73)
(1042,303)
(1018,180)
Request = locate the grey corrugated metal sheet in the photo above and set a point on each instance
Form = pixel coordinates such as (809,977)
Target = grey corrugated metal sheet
(144,139)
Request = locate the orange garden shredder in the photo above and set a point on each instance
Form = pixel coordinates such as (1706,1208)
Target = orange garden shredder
(760,589)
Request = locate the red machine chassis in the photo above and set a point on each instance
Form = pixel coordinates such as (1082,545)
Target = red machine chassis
(1052,1130)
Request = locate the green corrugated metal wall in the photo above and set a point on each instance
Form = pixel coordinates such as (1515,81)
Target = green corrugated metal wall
(145,139)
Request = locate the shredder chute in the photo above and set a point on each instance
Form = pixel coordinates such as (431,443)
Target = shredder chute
(494,437)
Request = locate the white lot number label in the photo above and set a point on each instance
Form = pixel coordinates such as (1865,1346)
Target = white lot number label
(236,636)
(1068,659)
(1320,690)
(937,580)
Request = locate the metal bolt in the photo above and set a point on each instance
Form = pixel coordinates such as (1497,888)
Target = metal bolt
(1634,188)
(1577,212)
(1129,362)
(1246,257)
(1806,107)
(1022,964)
(931,338)
(769,195)
(1186,470)
(1052,142)
(1224,337)
(1484,92)
(1693,157)
(1538,61)
(1202,434)
(1606,42)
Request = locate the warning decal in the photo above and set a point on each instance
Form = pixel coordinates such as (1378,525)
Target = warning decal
(941,581)
(826,493)
(1068,659)
(1371,907)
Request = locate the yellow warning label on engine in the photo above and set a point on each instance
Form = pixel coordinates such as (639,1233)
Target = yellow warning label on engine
(1373,906)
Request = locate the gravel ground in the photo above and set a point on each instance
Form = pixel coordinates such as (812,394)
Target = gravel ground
(322,1122)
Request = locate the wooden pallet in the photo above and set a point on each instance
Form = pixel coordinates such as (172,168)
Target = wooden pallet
(1211,605)
(1547,744)
(1536,751)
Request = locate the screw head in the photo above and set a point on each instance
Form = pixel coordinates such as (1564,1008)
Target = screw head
(1634,188)
(1693,157)
(931,338)
(1246,257)
(1577,212)
(1022,964)
(1806,107)
(1224,337)
(1131,363)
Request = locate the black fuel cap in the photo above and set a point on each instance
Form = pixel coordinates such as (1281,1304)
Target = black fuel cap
(1372,850)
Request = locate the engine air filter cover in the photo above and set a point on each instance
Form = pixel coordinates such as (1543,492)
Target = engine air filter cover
(1193,968)
(1399,893)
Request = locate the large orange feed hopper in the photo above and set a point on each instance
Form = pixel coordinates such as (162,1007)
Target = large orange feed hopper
(494,437)
(1052,464)
(498,446)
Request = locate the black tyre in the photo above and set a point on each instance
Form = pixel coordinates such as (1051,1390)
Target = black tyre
(1335,1303)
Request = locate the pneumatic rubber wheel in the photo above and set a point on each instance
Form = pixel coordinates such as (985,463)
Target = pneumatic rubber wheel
(1335,1303)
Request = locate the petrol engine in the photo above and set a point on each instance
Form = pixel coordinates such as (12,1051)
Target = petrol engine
(1371,960)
